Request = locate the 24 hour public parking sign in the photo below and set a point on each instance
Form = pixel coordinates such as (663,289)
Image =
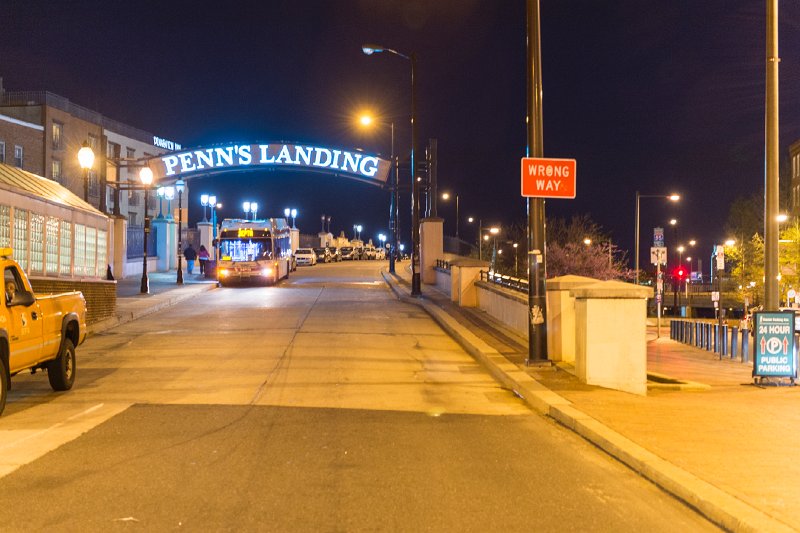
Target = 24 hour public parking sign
(774,349)
(548,178)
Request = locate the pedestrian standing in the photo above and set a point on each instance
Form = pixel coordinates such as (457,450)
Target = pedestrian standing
(203,256)
(190,254)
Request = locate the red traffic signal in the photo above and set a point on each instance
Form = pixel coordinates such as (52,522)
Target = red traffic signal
(680,273)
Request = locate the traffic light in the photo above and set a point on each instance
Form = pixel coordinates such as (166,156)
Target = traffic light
(680,273)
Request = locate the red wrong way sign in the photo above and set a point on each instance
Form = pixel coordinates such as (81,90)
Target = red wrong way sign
(548,178)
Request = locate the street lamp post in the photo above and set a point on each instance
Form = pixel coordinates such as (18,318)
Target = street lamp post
(86,160)
(146,176)
(370,49)
(205,202)
(516,264)
(446,196)
(394,199)
(672,197)
(180,186)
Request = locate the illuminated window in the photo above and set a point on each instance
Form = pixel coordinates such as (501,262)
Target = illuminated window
(18,156)
(91,252)
(56,170)
(21,237)
(36,233)
(65,268)
(102,250)
(51,263)
(80,249)
(5,226)
(58,135)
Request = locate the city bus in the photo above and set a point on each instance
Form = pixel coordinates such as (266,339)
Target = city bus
(254,250)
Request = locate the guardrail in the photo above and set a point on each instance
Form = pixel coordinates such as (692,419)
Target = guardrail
(509,282)
(443,264)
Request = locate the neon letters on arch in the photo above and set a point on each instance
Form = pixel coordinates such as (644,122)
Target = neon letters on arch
(251,156)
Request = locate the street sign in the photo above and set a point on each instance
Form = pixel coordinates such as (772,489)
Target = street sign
(658,237)
(774,345)
(548,178)
(658,255)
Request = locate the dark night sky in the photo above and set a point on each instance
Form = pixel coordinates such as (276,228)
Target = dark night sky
(657,96)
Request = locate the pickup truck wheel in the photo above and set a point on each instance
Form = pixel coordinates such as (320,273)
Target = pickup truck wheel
(4,382)
(61,370)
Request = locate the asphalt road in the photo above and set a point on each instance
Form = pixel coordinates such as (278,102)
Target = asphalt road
(322,404)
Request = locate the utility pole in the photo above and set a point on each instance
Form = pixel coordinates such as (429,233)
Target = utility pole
(771,231)
(537,299)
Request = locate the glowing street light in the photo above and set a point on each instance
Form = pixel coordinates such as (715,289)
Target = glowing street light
(146,176)
(86,160)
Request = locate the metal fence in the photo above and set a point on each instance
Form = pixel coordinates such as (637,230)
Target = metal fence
(509,282)
(136,242)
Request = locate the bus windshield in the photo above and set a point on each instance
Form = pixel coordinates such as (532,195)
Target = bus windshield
(245,249)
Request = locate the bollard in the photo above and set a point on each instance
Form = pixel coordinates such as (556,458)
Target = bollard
(672,330)
(745,345)
(724,338)
(715,338)
(697,336)
(708,337)
(691,333)
(684,334)
(734,339)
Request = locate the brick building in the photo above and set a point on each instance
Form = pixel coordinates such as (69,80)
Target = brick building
(43,132)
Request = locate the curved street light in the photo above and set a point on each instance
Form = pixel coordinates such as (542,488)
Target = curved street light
(370,49)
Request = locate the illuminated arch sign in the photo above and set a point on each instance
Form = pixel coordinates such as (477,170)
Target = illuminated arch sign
(262,156)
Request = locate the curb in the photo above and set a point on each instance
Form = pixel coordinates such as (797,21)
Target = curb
(714,504)
(164,300)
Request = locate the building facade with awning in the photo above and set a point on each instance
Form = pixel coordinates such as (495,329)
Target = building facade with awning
(60,241)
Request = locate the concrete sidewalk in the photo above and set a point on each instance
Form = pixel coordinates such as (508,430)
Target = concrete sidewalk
(728,448)
(164,292)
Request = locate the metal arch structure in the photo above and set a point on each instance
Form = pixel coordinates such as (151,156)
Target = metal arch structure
(272,156)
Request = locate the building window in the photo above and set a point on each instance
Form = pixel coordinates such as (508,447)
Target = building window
(51,263)
(80,249)
(5,226)
(130,153)
(2,151)
(102,251)
(58,135)
(37,243)
(66,248)
(18,156)
(56,170)
(91,252)
(94,184)
(21,238)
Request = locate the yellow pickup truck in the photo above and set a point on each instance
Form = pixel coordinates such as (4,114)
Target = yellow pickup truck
(37,333)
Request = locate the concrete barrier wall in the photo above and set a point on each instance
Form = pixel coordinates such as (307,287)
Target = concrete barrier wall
(443,281)
(507,306)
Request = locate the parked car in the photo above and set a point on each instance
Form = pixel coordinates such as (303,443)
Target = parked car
(348,253)
(323,255)
(369,252)
(380,253)
(39,332)
(305,256)
(336,254)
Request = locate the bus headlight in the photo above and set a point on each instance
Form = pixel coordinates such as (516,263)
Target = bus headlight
(266,272)
(223,272)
